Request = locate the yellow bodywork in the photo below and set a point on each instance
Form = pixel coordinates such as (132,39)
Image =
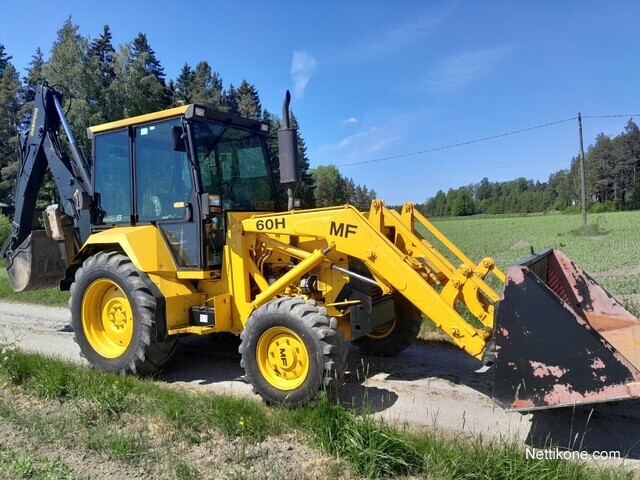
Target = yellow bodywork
(298,243)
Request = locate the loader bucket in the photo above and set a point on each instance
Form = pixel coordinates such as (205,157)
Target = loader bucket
(561,339)
(37,263)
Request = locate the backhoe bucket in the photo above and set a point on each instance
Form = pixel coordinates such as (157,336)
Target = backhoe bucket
(37,263)
(561,339)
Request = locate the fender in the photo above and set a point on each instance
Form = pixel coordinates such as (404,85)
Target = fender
(144,245)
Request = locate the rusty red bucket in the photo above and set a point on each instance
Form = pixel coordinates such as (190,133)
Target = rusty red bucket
(561,339)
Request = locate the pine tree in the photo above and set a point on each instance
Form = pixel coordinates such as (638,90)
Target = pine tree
(306,186)
(135,90)
(4,59)
(11,112)
(231,100)
(69,67)
(184,83)
(33,78)
(143,54)
(141,50)
(206,87)
(248,101)
(101,52)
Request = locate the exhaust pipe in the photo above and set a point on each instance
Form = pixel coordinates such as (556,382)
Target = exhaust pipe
(288,153)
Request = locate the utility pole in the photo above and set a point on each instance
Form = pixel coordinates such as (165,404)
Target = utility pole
(582,181)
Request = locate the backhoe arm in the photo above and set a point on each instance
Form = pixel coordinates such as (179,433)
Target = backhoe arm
(41,149)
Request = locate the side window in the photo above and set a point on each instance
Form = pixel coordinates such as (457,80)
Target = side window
(163,176)
(113,176)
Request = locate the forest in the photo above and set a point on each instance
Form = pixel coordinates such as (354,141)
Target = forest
(611,179)
(104,83)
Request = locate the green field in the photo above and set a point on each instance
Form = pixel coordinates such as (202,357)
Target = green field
(609,252)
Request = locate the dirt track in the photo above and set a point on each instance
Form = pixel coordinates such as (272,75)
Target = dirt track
(428,385)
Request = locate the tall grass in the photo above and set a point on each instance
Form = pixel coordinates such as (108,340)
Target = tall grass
(372,448)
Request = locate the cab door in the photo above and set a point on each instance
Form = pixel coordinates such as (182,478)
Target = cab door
(164,191)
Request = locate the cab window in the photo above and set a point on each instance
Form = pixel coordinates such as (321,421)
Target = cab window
(163,176)
(112,174)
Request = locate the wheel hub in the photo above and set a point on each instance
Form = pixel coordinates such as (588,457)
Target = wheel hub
(107,318)
(282,358)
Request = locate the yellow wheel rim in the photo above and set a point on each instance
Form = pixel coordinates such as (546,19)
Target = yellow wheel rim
(107,318)
(282,358)
(383,331)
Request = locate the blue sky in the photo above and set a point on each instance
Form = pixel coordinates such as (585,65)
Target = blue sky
(377,79)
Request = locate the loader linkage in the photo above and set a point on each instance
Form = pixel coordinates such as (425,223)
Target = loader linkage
(556,337)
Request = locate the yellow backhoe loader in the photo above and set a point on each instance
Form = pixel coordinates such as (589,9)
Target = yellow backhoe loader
(174,227)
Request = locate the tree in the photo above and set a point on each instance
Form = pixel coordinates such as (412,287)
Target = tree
(206,87)
(11,108)
(4,59)
(364,197)
(135,90)
(68,66)
(184,83)
(246,101)
(101,53)
(329,186)
(34,77)
(141,50)
(144,56)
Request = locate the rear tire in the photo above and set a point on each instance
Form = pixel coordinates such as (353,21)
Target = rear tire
(393,337)
(113,317)
(292,352)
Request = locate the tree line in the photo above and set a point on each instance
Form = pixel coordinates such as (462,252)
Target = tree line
(103,83)
(611,176)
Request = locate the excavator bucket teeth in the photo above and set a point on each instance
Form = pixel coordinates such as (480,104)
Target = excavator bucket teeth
(36,264)
(561,339)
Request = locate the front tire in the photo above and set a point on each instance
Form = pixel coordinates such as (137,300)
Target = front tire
(292,352)
(393,337)
(113,317)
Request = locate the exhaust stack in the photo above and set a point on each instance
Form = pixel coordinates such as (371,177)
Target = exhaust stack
(288,153)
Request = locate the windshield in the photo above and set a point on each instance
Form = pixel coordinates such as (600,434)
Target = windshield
(233,165)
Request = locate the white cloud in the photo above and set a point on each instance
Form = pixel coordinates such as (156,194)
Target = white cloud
(302,67)
(382,144)
(461,70)
(345,142)
(400,35)
(349,120)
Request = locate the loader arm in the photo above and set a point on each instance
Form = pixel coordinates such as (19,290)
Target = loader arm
(399,258)
(35,258)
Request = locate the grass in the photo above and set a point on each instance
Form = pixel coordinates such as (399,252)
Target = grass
(33,466)
(100,407)
(612,245)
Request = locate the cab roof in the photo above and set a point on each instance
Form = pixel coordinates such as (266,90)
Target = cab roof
(148,117)
(191,111)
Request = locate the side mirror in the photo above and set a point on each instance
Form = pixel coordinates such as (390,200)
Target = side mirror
(178,137)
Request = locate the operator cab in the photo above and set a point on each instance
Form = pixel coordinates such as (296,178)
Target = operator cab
(181,169)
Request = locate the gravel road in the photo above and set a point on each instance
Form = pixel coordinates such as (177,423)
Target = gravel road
(431,384)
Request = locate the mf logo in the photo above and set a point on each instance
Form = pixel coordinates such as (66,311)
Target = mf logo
(283,357)
(342,229)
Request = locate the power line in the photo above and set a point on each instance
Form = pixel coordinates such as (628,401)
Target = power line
(612,116)
(478,140)
(454,145)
